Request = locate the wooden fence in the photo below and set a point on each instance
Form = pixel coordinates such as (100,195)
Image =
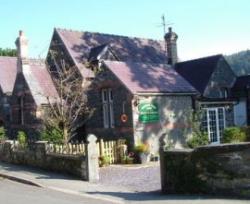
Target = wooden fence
(115,151)
(67,149)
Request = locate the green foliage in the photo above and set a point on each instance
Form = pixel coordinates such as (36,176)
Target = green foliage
(142,148)
(233,135)
(2,134)
(52,134)
(22,139)
(103,161)
(246,130)
(8,52)
(199,137)
(240,62)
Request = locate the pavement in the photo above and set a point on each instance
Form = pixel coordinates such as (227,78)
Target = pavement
(101,191)
(12,193)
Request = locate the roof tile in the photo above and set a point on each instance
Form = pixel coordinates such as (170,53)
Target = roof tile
(149,78)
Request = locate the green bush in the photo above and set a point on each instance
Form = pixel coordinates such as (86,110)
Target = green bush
(246,130)
(233,135)
(142,148)
(103,161)
(22,139)
(54,135)
(198,139)
(2,134)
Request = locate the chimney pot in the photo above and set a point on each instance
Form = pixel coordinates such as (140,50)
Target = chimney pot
(22,45)
(170,40)
(20,32)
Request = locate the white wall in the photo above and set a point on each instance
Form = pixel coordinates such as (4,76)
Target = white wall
(174,112)
(240,113)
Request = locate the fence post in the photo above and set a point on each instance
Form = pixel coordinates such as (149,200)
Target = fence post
(92,158)
(101,147)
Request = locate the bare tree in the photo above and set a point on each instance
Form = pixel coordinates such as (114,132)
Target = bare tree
(69,111)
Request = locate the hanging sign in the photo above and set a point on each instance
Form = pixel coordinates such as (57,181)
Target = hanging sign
(148,112)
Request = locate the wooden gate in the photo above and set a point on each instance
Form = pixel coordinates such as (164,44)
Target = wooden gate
(115,151)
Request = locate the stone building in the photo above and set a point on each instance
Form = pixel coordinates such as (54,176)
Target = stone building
(31,88)
(138,88)
(8,69)
(126,73)
(213,78)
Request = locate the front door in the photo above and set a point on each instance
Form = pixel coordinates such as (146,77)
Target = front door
(215,122)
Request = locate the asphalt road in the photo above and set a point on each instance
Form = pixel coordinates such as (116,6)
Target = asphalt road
(13,193)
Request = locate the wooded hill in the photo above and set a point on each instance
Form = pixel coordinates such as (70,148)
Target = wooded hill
(240,62)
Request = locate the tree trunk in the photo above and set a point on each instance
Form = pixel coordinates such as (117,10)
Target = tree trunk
(65,135)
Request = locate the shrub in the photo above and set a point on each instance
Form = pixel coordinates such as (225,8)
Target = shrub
(246,130)
(2,134)
(233,135)
(22,139)
(53,135)
(103,161)
(198,139)
(142,148)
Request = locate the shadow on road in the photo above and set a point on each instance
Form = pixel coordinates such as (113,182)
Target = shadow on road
(158,196)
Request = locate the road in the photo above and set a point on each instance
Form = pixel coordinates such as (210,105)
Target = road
(13,193)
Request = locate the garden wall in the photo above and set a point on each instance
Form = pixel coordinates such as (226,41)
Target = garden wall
(84,166)
(218,170)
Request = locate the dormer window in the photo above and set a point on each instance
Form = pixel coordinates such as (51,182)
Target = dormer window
(224,92)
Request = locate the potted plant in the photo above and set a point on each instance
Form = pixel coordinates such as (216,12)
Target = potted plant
(143,151)
(128,159)
(103,161)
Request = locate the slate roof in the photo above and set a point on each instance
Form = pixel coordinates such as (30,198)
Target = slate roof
(8,71)
(39,81)
(198,71)
(242,83)
(149,78)
(81,44)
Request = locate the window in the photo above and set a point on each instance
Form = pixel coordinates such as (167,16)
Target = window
(20,111)
(224,92)
(213,122)
(107,108)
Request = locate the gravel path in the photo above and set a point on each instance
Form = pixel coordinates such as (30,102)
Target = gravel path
(137,178)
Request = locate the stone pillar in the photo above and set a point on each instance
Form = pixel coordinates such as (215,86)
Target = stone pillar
(7,151)
(40,153)
(162,145)
(92,158)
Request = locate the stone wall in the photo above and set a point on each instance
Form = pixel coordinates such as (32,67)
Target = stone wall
(217,170)
(105,79)
(35,155)
(174,124)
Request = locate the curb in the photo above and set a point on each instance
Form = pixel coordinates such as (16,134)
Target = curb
(20,180)
(28,182)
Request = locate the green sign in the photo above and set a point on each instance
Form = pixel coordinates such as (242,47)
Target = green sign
(148,112)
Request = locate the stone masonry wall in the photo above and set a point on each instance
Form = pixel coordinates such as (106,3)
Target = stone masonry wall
(105,79)
(218,170)
(174,126)
(36,156)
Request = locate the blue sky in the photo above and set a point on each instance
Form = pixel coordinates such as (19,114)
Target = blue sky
(205,27)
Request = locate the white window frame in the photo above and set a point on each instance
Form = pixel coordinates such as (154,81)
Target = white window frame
(218,134)
(107,108)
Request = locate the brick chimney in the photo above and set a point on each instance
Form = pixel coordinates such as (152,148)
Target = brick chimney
(170,39)
(22,50)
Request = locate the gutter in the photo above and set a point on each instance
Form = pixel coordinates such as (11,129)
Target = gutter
(164,94)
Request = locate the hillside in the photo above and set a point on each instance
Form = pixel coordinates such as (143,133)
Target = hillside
(240,62)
